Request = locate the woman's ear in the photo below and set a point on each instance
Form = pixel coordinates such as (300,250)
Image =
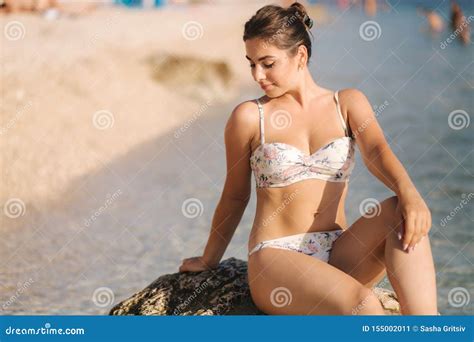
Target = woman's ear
(302,55)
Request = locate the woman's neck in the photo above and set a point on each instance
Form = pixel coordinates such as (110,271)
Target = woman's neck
(305,90)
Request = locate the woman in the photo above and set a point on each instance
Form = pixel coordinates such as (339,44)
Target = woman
(299,141)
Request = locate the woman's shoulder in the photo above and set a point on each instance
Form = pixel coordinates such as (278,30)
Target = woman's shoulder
(245,107)
(355,106)
(245,111)
(351,98)
(244,115)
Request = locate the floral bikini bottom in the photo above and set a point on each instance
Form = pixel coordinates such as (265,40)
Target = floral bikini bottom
(315,244)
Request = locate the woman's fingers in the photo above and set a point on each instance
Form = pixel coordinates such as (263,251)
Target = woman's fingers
(194,264)
(423,228)
(413,233)
(422,224)
(184,265)
(409,226)
(401,232)
(418,229)
(417,235)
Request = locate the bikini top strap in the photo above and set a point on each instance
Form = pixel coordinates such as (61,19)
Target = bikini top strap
(262,133)
(340,113)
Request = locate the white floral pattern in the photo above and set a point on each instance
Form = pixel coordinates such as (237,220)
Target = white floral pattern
(315,244)
(279,164)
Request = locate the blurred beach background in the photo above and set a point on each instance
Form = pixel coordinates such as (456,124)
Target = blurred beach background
(112,123)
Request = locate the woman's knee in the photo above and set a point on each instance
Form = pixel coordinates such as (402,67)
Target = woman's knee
(390,212)
(365,303)
(390,204)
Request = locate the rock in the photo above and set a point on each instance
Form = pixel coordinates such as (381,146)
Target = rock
(223,291)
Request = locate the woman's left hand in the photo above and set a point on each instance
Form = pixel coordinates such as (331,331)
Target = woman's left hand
(417,219)
(195,264)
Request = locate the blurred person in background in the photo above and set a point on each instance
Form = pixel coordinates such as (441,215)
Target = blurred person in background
(435,22)
(48,7)
(459,24)
(370,7)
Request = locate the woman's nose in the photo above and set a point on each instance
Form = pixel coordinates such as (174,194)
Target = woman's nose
(258,74)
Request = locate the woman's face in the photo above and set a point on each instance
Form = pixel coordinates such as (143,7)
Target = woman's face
(272,68)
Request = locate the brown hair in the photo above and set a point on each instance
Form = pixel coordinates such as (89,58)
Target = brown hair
(286,28)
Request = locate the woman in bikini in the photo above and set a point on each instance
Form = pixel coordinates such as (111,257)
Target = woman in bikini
(299,141)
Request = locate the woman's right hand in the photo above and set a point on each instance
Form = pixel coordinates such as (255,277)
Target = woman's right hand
(195,264)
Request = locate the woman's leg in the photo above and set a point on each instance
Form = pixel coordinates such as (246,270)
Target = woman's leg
(371,246)
(284,282)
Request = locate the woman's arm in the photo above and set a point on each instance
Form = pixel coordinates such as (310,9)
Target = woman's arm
(235,196)
(383,164)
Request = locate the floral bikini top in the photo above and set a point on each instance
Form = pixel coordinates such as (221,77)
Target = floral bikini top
(279,164)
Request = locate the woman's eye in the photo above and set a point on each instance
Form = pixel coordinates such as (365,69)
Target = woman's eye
(252,65)
(268,65)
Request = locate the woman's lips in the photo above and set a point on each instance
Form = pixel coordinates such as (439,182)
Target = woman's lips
(265,86)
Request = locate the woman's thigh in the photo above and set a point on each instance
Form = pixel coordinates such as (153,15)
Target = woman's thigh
(360,250)
(284,282)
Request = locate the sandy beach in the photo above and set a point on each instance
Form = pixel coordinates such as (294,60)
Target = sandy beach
(79,92)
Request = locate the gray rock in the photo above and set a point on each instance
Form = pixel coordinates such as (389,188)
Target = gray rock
(222,291)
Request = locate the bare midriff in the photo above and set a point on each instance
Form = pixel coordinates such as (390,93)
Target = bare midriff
(311,205)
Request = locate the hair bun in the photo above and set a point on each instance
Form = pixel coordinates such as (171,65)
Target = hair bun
(301,13)
(308,21)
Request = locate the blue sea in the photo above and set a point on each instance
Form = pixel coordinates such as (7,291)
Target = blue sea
(422,91)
